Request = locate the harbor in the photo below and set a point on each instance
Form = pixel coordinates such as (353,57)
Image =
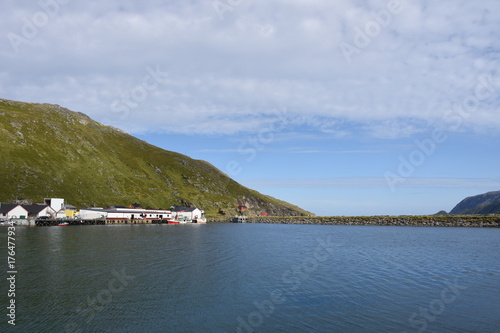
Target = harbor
(55,212)
(52,222)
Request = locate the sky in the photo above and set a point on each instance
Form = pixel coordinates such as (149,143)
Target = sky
(340,107)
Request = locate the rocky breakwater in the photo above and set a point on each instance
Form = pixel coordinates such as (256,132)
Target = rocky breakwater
(492,221)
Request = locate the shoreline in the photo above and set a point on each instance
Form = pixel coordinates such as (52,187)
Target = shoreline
(468,221)
(453,221)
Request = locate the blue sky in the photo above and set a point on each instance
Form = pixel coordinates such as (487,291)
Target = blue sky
(340,107)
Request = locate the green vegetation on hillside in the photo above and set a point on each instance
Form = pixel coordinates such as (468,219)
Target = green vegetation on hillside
(49,151)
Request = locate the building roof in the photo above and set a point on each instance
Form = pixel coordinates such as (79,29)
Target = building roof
(128,211)
(34,209)
(182,209)
(7,207)
(135,205)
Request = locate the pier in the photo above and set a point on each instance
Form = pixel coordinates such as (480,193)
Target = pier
(52,222)
(468,221)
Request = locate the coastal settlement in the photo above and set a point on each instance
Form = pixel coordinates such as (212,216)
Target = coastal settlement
(54,211)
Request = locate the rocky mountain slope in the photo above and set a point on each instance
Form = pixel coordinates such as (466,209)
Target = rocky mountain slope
(50,151)
(487,203)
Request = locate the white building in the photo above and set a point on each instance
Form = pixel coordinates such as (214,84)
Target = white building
(56,204)
(125,214)
(92,214)
(136,214)
(37,211)
(188,214)
(12,211)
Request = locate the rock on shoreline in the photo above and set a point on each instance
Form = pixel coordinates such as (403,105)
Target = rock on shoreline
(470,221)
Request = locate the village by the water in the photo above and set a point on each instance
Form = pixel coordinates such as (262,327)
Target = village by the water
(56,212)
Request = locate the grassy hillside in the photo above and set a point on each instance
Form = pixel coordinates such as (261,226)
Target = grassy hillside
(49,151)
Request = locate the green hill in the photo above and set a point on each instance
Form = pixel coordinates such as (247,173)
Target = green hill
(50,151)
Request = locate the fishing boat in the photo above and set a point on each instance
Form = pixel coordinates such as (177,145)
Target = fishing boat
(63,224)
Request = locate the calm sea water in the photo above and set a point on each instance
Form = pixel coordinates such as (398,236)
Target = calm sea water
(254,277)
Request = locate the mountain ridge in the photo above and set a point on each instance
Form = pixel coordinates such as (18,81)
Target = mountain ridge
(50,151)
(481,204)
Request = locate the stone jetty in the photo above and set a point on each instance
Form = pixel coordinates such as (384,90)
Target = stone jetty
(478,221)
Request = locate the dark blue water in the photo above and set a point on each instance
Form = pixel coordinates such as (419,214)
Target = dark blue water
(254,277)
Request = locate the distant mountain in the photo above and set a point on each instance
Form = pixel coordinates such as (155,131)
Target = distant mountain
(50,151)
(487,203)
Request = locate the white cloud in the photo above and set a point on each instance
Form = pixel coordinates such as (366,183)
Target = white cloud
(263,56)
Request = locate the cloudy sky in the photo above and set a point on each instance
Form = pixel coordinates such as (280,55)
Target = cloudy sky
(341,107)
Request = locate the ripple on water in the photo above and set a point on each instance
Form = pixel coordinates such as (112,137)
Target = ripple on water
(203,278)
